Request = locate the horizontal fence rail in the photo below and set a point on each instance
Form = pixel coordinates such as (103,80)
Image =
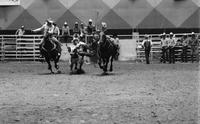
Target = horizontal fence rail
(26,47)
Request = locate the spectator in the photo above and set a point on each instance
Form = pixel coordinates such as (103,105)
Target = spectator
(90,27)
(20,31)
(76,30)
(185,43)
(90,31)
(194,43)
(147,48)
(56,31)
(164,45)
(65,32)
(82,32)
(171,45)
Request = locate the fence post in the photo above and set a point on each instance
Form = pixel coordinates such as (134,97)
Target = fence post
(16,46)
(34,48)
(3,49)
(151,49)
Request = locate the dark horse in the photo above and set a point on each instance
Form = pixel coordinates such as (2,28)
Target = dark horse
(106,51)
(51,51)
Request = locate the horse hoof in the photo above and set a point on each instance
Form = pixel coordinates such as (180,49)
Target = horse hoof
(58,72)
(111,70)
(80,71)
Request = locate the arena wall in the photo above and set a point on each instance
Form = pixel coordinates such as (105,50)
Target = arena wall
(119,14)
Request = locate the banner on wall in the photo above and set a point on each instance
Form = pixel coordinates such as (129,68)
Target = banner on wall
(9,2)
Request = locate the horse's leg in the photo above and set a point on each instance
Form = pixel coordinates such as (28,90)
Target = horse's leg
(49,65)
(105,64)
(76,65)
(111,63)
(81,63)
(56,59)
(71,67)
(99,62)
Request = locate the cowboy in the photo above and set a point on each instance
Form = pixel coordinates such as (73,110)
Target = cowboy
(82,32)
(164,45)
(65,31)
(76,30)
(194,43)
(185,43)
(146,44)
(90,27)
(171,47)
(20,31)
(48,29)
(56,31)
(102,32)
(90,31)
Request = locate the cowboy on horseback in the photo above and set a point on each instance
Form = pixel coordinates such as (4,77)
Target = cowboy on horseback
(103,36)
(106,49)
(48,30)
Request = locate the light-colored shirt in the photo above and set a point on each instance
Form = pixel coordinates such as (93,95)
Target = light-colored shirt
(65,30)
(46,29)
(77,47)
(20,32)
(115,40)
(164,42)
(185,42)
(82,31)
(56,31)
(171,42)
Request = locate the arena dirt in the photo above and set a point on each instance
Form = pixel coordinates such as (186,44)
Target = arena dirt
(132,94)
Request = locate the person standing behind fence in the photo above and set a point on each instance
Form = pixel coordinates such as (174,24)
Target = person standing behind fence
(65,32)
(76,30)
(171,46)
(20,31)
(185,42)
(147,48)
(90,31)
(82,32)
(194,43)
(164,45)
(56,31)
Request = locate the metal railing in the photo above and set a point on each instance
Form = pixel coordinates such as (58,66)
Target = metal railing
(26,48)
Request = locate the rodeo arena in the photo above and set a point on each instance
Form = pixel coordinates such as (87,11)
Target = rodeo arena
(99,61)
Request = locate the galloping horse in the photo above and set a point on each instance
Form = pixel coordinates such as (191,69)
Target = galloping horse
(106,51)
(51,51)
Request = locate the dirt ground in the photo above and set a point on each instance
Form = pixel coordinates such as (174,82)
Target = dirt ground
(132,94)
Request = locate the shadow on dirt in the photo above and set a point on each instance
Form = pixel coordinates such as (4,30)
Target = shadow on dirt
(107,74)
(49,73)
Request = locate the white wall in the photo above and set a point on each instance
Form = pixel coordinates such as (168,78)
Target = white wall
(127,49)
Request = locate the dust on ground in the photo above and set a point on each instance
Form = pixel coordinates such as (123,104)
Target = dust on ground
(132,94)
